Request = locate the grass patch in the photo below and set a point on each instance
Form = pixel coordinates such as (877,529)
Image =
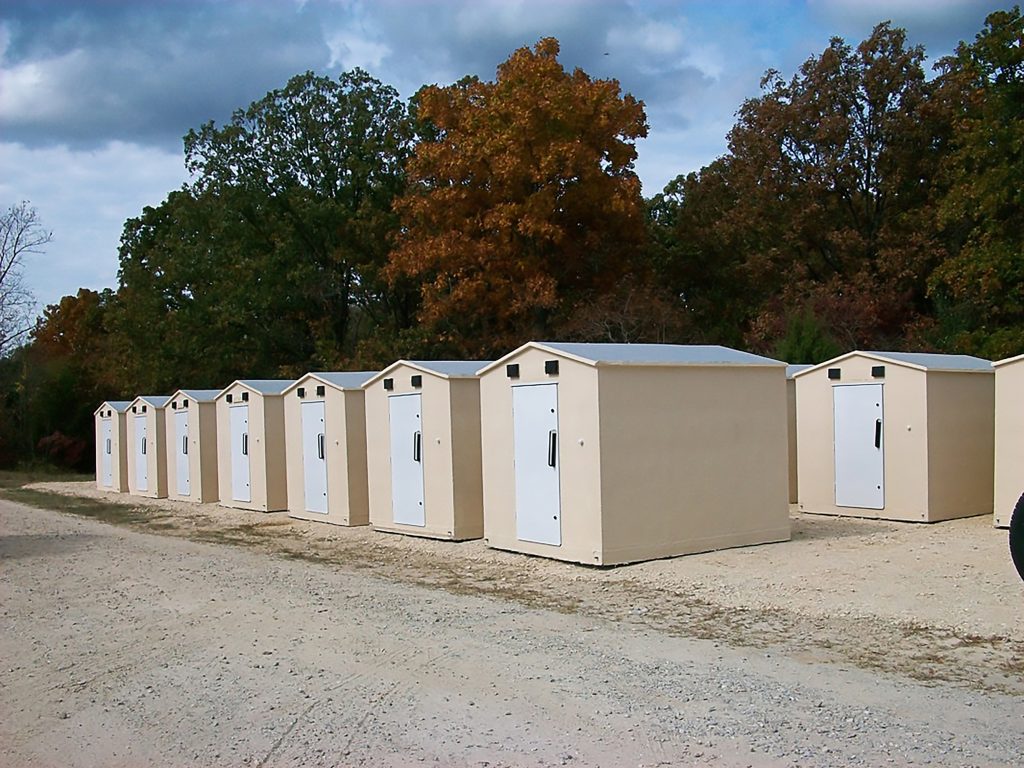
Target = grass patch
(41,473)
(108,512)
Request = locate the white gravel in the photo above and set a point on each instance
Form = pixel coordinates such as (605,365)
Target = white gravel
(123,648)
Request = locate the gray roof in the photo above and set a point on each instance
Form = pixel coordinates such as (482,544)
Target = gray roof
(345,379)
(792,370)
(451,368)
(118,405)
(266,386)
(925,361)
(201,395)
(1007,360)
(157,401)
(658,354)
(937,362)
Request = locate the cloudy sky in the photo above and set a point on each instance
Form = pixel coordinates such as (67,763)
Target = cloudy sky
(95,95)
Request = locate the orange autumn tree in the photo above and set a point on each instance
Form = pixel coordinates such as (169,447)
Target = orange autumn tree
(522,201)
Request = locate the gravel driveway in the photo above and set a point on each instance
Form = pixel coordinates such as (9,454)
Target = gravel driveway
(316,646)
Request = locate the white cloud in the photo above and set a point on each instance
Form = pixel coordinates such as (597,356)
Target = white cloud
(84,198)
(475,18)
(349,51)
(651,39)
(31,91)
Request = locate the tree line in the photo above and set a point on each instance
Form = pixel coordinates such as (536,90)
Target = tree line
(332,225)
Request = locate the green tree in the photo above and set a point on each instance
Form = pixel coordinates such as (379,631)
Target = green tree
(980,288)
(204,298)
(315,167)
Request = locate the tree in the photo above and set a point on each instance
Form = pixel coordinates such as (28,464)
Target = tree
(821,208)
(204,298)
(522,200)
(52,384)
(699,256)
(313,169)
(980,288)
(21,235)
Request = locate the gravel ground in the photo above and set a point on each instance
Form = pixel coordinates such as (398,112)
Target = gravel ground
(859,643)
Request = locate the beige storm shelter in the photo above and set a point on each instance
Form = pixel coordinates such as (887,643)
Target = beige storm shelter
(251,467)
(896,435)
(192,445)
(791,371)
(423,449)
(147,461)
(112,446)
(615,453)
(1009,472)
(325,431)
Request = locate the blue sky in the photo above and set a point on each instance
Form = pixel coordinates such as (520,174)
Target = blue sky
(96,95)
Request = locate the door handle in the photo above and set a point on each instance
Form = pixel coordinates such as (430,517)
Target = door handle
(184,444)
(878,433)
(552,447)
(108,445)
(417,448)
(320,444)
(143,446)
(245,444)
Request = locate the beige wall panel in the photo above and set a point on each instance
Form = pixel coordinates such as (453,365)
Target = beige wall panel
(468,495)
(791,437)
(223,452)
(118,454)
(293,453)
(100,447)
(355,435)
(905,440)
(171,449)
(272,446)
(579,457)
(1009,439)
(439,449)
(156,451)
(961,444)
(202,450)
(919,441)
(267,466)
(346,484)
(693,458)
(206,453)
(121,466)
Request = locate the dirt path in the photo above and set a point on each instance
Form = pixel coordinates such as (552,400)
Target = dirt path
(938,602)
(122,648)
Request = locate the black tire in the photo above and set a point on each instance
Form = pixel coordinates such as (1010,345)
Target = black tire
(1017,536)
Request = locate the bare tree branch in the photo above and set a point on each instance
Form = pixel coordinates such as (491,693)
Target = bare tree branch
(21,235)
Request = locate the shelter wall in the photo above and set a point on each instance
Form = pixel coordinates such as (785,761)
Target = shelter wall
(905,439)
(579,456)
(961,444)
(438,451)
(1009,440)
(693,458)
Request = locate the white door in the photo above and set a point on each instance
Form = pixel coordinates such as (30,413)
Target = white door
(141,453)
(314,461)
(859,447)
(106,448)
(406,460)
(240,490)
(535,432)
(181,466)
